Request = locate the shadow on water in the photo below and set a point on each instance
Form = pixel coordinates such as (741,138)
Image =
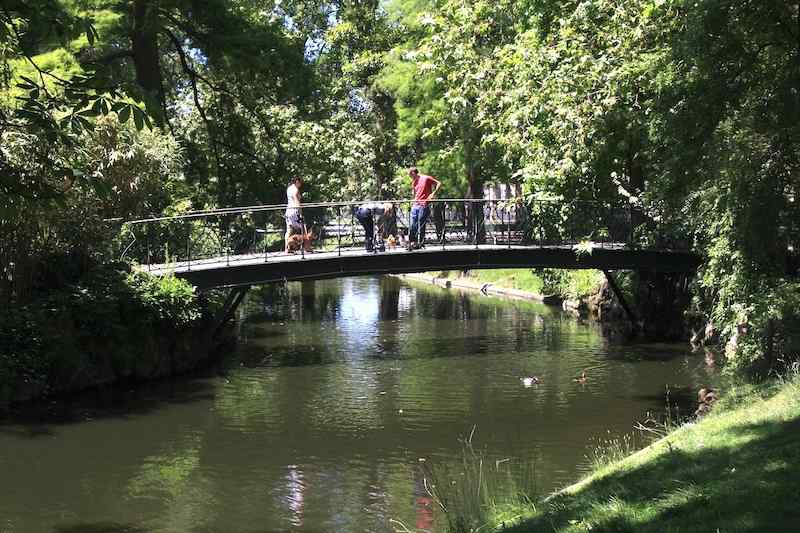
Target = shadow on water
(113,527)
(36,419)
(100,527)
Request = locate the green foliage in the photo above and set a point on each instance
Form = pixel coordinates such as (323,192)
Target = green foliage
(167,298)
(128,173)
(683,115)
(569,283)
(22,360)
(437,78)
(476,489)
(764,332)
(89,325)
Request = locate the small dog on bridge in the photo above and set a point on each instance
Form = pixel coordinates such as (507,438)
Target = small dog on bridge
(299,240)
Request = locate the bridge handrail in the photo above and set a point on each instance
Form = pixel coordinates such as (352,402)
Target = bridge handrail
(280,207)
(237,232)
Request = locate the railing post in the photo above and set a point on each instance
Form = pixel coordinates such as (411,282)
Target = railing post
(219,235)
(444,223)
(149,253)
(303,237)
(408,226)
(339,229)
(189,247)
(541,237)
(505,222)
(266,244)
(227,244)
(475,218)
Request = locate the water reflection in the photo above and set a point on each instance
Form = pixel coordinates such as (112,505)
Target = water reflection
(294,499)
(423,502)
(343,386)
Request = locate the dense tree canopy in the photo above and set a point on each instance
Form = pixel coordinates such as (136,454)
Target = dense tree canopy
(686,112)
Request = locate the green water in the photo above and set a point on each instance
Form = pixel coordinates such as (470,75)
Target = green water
(320,422)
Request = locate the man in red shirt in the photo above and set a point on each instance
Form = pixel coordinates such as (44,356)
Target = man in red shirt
(425,188)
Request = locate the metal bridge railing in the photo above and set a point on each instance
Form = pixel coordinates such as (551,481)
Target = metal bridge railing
(242,233)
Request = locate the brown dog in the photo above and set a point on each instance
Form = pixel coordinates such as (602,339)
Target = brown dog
(297,240)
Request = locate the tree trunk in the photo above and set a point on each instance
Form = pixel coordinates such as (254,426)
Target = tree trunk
(386,146)
(477,224)
(144,41)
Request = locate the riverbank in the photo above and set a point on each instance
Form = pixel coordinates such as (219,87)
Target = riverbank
(110,327)
(486,287)
(656,304)
(737,469)
(567,288)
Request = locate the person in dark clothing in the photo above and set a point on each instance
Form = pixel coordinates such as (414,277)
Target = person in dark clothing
(371,214)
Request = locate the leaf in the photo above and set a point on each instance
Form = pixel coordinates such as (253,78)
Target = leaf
(97,106)
(138,118)
(85,123)
(101,187)
(125,114)
(90,33)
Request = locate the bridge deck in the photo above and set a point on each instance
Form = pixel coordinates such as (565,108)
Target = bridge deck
(252,269)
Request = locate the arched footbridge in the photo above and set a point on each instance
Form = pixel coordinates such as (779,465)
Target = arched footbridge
(243,246)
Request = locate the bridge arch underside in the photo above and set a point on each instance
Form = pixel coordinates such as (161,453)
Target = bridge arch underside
(235,272)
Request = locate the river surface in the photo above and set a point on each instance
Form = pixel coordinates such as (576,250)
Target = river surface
(342,399)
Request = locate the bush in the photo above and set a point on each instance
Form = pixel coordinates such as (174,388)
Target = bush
(22,361)
(109,321)
(764,336)
(569,283)
(170,299)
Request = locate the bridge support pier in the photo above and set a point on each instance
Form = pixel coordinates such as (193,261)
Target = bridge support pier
(612,282)
(230,306)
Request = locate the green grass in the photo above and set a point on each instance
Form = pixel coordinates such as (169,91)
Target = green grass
(736,470)
(582,283)
(564,283)
(513,278)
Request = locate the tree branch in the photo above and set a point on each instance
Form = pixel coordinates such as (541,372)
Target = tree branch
(193,77)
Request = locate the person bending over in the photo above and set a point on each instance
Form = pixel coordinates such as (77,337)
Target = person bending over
(373,213)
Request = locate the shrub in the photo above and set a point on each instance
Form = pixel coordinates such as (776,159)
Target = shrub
(169,298)
(764,336)
(569,283)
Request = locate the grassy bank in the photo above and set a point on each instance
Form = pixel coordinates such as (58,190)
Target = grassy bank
(738,469)
(564,283)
